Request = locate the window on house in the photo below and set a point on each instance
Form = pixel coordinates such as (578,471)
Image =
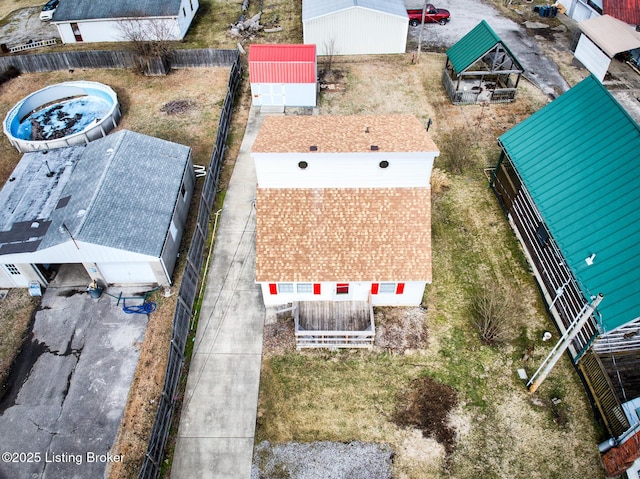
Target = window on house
(387,288)
(304,288)
(11,268)
(285,287)
(173,230)
(342,288)
(184,12)
(191,4)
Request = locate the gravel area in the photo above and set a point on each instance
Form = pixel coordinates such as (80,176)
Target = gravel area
(322,460)
(25,27)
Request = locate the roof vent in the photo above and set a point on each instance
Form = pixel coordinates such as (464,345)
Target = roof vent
(366,130)
(374,147)
(313,148)
(35,225)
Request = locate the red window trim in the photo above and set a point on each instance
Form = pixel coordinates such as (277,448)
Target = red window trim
(374,288)
(273,288)
(316,288)
(400,288)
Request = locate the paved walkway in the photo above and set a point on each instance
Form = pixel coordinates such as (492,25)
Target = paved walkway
(217,425)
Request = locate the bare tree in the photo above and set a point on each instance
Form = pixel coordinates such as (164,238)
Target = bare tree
(329,52)
(150,41)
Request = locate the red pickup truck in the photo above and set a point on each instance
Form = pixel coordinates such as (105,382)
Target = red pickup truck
(432,15)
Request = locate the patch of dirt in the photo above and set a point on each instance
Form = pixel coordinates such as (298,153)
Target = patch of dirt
(400,329)
(278,337)
(426,406)
(177,107)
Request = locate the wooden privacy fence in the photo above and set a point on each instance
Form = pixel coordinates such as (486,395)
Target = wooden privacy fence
(189,286)
(44,62)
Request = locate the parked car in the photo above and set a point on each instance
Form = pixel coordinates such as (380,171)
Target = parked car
(47,11)
(432,15)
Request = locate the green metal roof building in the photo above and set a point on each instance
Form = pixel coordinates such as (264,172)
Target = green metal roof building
(480,67)
(569,180)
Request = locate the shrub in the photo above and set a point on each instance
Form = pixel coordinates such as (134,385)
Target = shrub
(491,310)
(8,74)
(458,150)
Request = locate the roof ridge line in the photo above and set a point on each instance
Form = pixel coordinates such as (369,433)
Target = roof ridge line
(100,182)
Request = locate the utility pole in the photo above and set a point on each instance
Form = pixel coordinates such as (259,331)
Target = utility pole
(562,345)
(424,12)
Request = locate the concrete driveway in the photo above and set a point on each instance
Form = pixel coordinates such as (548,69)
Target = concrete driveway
(60,416)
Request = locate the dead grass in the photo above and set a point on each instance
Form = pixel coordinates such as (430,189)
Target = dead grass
(211,27)
(16,311)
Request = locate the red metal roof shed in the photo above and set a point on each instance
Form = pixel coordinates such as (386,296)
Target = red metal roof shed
(282,63)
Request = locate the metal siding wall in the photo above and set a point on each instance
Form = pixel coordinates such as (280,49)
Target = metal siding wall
(300,94)
(282,72)
(295,94)
(107,31)
(358,31)
(594,59)
(343,170)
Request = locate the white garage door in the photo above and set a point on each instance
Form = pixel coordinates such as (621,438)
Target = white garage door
(268,94)
(594,59)
(127,273)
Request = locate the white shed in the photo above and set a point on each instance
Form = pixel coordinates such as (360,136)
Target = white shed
(355,27)
(283,75)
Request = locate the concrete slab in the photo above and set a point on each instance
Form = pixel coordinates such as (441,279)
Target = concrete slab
(68,397)
(214,458)
(217,403)
(217,424)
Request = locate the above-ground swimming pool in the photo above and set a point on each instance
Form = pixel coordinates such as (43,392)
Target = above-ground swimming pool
(65,114)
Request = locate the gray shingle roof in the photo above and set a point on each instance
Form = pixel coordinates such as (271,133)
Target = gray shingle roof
(118,191)
(74,10)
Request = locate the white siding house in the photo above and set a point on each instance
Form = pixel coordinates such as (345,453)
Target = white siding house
(343,209)
(117,206)
(122,20)
(355,27)
(283,75)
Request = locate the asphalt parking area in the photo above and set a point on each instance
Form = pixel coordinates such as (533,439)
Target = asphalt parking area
(70,386)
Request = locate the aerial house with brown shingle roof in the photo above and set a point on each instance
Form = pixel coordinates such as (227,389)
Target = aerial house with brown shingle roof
(343,220)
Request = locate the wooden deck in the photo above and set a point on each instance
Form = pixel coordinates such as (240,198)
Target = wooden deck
(334,324)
